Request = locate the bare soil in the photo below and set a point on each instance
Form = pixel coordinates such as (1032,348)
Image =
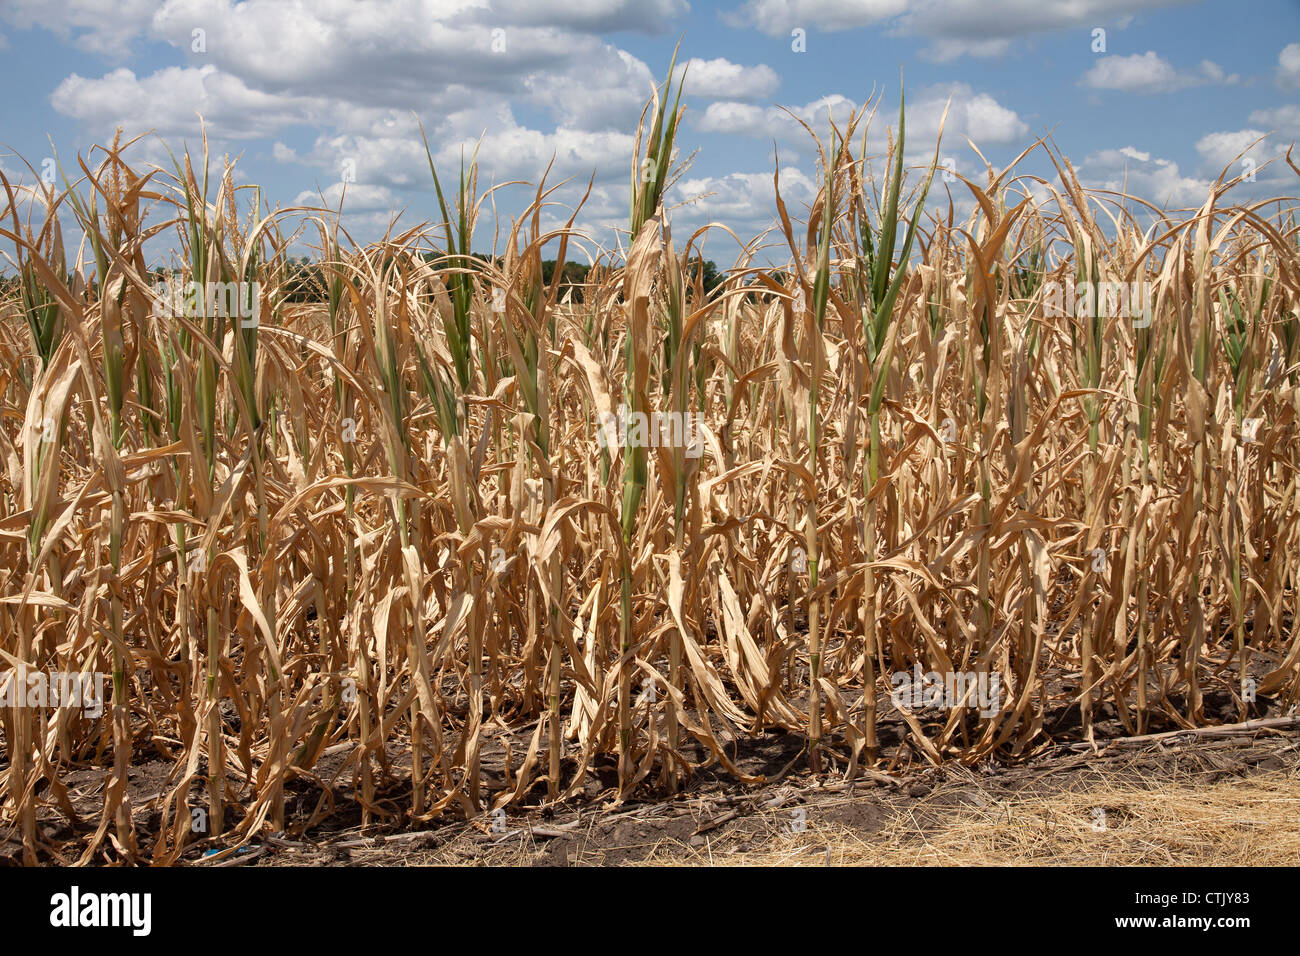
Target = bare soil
(1181,799)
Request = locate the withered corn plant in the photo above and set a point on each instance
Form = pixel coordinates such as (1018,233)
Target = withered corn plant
(433,533)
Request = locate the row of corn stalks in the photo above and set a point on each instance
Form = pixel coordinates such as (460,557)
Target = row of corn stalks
(375,545)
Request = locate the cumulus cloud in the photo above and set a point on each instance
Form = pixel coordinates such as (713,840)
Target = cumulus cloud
(987,19)
(985,119)
(1158,180)
(773,122)
(1247,153)
(980,28)
(111,27)
(723,80)
(1150,73)
(362,75)
(171,99)
(1288,67)
(744,202)
(1284,119)
(517,152)
(523,81)
(520,82)
(775,17)
(1139,174)
(355,197)
(738,195)
(103,27)
(422,55)
(594,16)
(945,49)
(383,52)
(607,91)
(1220,149)
(977,115)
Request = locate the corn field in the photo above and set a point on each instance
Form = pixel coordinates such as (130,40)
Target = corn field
(387,527)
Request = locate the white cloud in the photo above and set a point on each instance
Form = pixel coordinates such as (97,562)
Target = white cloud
(977,115)
(1160,181)
(986,120)
(103,27)
(776,17)
(1150,73)
(594,16)
(1220,149)
(1288,67)
(394,54)
(171,100)
(361,76)
(384,52)
(356,75)
(723,80)
(110,27)
(396,161)
(516,152)
(743,118)
(506,150)
(1117,157)
(1212,73)
(945,49)
(1284,119)
(1141,72)
(356,197)
(744,202)
(980,28)
(1153,179)
(1237,153)
(987,19)
(607,91)
(773,122)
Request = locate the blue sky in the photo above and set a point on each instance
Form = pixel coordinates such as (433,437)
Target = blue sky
(302,90)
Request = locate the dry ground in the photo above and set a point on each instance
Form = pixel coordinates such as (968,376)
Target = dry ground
(1221,795)
(1182,801)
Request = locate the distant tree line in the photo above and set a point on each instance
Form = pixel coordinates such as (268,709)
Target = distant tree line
(307,280)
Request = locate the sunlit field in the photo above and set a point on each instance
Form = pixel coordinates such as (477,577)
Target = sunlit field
(415,531)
